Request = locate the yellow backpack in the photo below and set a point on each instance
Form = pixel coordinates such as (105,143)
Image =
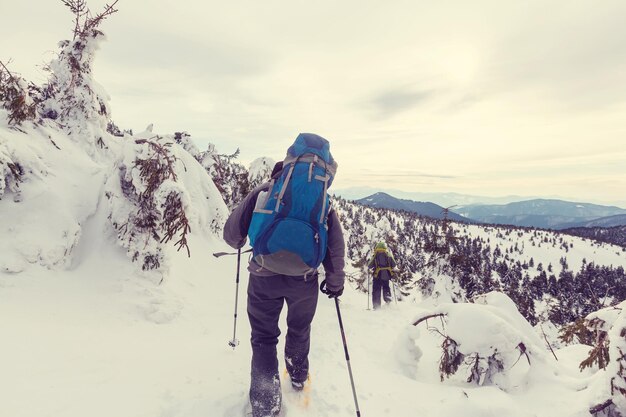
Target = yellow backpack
(382,248)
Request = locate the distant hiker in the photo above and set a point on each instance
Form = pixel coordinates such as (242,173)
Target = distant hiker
(381,265)
(292,230)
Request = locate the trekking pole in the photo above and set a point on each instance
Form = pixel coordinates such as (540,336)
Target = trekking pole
(393,285)
(330,294)
(233,343)
(345,348)
(368,291)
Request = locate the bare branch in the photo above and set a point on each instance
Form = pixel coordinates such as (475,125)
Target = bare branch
(92,23)
(548,343)
(429,317)
(78,8)
(83,20)
(600,407)
(8,72)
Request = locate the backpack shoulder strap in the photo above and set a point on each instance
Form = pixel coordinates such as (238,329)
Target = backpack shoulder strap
(284,187)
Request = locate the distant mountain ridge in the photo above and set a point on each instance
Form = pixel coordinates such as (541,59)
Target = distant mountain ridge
(442,199)
(609,221)
(384,200)
(545,213)
(447,199)
(540,213)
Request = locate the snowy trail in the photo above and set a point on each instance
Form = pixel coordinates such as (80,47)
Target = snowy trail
(99,340)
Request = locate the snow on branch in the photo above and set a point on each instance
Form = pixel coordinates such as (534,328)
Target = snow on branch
(231,178)
(11,173)
(608,351)
(451,358)
(149,180)
(71,96)
(430,316)
(175,221)
(599,354)
(483,341)
(16,97)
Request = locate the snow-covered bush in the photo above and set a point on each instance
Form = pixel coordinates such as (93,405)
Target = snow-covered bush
(184,140)
(156,190)
(148,180)
(16,97)
(230,177)
(260,171)
(20,161)
(160,192)
(11,172)
(608,351)
(484,342)
(438,283)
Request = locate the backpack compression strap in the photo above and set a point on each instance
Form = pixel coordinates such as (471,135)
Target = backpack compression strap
(329,172)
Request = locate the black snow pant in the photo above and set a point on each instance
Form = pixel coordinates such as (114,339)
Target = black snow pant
(377,285)
(266,296)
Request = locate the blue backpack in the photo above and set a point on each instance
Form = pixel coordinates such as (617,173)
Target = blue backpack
(289,231)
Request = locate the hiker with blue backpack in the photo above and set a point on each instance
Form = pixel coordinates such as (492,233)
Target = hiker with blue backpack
(381,265)
(292,230)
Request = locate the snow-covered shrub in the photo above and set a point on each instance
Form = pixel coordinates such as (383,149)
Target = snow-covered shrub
(230,177)
(483,342)
(11,172)
(437,282)
(148,180)
(21,159)
(160,192)
(609,352)
(184,140)
(260,171)
(16,97)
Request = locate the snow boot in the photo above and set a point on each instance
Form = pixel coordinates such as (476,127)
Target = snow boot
(300,386)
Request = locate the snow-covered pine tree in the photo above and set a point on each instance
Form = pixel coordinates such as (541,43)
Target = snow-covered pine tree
(156,192)
(230,177)
(72,97)
(451,263)
(259,171)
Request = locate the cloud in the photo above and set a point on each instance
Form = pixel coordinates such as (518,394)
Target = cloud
(464,102)
(398,100)
(575,58)
(188,56)
(462,90)
(403,173)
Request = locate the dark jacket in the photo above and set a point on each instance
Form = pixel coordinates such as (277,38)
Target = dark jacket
(382,259)
(236,232)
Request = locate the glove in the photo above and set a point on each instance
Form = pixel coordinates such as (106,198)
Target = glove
(330,293)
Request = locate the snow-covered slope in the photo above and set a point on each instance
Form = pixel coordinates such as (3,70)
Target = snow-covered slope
(100,341)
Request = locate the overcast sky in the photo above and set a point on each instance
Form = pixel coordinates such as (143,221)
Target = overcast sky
(483,97)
